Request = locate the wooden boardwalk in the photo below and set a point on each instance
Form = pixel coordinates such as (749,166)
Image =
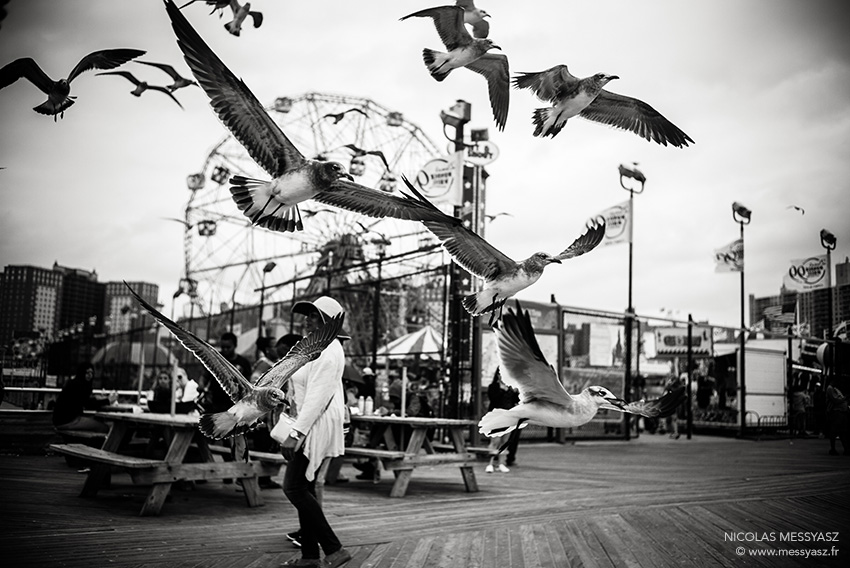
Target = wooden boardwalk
(651,502)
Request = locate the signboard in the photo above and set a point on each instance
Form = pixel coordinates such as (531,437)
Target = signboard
(673,341)
(437,180)
(482,153)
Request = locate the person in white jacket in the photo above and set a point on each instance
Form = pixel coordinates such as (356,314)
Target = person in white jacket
(319,401)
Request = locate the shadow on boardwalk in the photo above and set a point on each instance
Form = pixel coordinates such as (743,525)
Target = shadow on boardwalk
(650,502)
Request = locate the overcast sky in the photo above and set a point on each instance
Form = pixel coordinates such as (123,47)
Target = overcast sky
(762,86)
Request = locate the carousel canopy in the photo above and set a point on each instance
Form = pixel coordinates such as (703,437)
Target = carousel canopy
(123,352)
(426,342)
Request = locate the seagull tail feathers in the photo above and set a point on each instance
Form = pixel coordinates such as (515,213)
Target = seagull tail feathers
(50,108)
(545,122)
(219,425)
(233,28)
(253,197)
(477,304)
(434,61)
(499,422)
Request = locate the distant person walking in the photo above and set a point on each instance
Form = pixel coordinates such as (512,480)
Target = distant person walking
(838,417)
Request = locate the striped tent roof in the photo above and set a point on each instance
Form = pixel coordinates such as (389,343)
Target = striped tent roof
(426,342)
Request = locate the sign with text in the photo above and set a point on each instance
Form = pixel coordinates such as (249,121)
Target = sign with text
(806,274)
(673,341)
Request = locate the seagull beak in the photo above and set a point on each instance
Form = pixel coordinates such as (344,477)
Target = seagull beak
(612,77)
(348,176)
(496,47)
(614,404)
(555,260)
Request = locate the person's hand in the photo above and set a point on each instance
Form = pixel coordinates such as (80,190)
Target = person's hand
(112,397)
(288,447)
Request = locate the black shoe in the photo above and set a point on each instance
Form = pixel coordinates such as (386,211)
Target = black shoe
(363,466)
(833,452)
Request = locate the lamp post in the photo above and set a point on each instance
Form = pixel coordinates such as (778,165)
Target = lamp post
(742,215)
(636,175)
(266,269)
(828,241)
(381,249)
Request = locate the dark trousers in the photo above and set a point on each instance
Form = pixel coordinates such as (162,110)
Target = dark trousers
(315,530)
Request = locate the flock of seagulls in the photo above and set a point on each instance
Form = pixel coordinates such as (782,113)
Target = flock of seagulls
(293,179)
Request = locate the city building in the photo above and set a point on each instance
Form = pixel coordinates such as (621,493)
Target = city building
(30,302)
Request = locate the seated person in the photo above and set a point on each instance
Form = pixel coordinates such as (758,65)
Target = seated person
(76,396)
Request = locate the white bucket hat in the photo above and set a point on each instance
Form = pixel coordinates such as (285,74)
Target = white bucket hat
(326,306)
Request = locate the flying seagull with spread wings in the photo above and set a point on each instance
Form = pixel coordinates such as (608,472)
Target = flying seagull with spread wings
(571,96)
(58,92)
(543,399)
(234,26)
(337,116)
(474,17)
(251,401)
(503,277)
(179,80)
(142,86)
(274,204)
(469,52)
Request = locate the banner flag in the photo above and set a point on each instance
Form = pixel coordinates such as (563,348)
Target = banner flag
(618,224)
(806,274)
(730,258)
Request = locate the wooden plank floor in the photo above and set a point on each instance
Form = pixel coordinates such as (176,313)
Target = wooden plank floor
(651,502)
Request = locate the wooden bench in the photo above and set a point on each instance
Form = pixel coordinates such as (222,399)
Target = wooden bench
(376,453)
(480,452)
(265,457)
(91,454)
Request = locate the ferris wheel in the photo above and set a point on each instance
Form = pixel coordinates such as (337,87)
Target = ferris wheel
(224,254)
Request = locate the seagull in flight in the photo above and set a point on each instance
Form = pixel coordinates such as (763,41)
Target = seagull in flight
(469,52)
(571,96)
(58,92)
(239,14)
(474,17)
(503,277)
(339,115)
(251,401)
(543,399)
(142,86)
(295,178)
(360,152)
(798,208)
(179,80)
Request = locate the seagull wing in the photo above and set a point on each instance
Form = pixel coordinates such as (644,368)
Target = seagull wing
(522,363)
(587,242)
(629,113)
(126,74)
(164,67)
(306,350)
(27,68)
(104,59)
(549,85)
(467,249)
(166,91)
(661,407)
(494,67)
(449,23)
(373,203)
(234,103)
(229,377)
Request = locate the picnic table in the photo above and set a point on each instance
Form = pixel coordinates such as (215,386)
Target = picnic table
(181,430)
(418,452)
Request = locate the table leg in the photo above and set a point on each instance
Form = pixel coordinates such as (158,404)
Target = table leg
(402,479)
(180,441)
(466,471)
(99,475)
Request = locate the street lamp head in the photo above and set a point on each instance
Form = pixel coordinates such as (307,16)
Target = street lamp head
(741,214)
(270,265)
(457,115)
(827,240)
(633,173)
